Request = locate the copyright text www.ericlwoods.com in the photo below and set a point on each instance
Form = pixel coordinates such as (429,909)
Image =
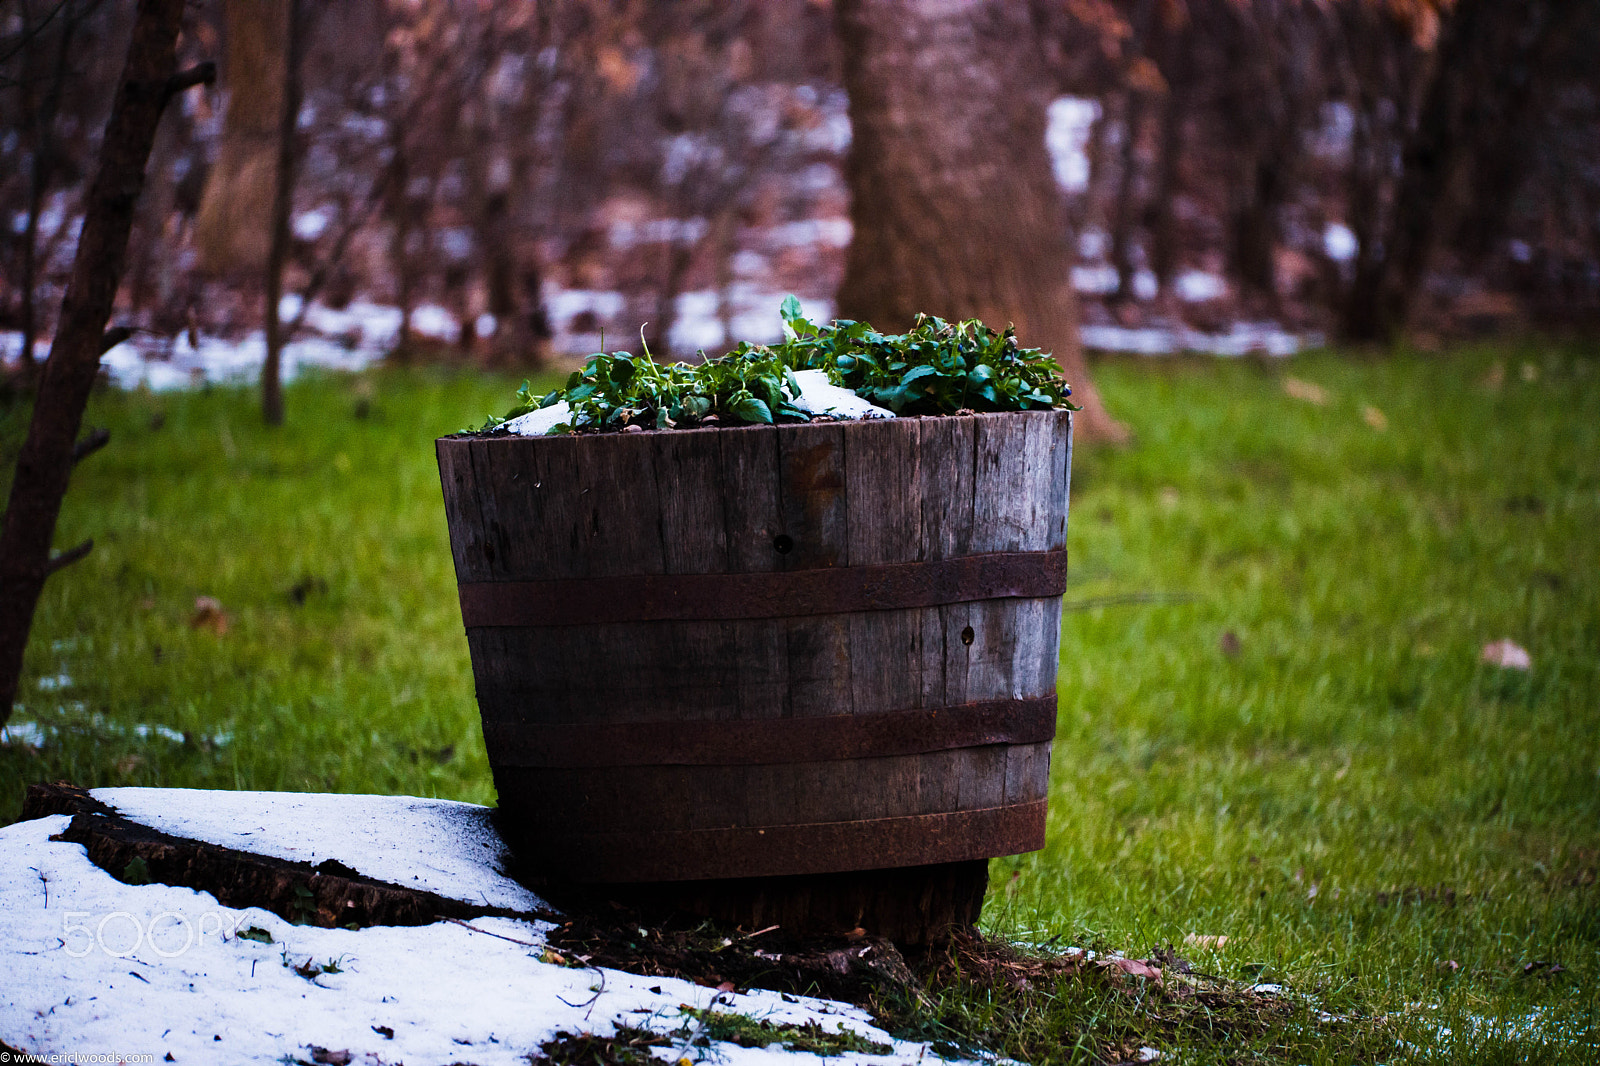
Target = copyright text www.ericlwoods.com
(9,1057)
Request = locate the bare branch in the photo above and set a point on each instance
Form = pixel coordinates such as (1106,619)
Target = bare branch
(199,74)
(97,438)
(68,557)
(113,337)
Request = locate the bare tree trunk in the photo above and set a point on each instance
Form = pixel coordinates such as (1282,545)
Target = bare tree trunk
(41,117)
(679,253)
(45,464)
(1253,236)
(955,208)
(282,206)
(233,227)
(1162,221)
(398,208)
(1462,107)
(1124,215)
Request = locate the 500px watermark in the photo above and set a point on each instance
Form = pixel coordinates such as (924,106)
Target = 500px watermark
(121,934)
(7,1057)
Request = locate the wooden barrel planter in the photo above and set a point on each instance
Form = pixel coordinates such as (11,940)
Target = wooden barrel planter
(801,674)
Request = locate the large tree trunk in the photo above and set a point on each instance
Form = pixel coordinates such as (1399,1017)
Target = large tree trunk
(954,204)
(233,229)
(45,463)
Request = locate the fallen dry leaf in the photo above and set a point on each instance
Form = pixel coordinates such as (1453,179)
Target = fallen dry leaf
(1213,941)
(208,614)
(1231,645)
(1507,655)
(1375,418)
(1132,967)
(1305,390)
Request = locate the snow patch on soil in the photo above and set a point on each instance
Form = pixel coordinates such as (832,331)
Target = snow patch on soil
(1242,338)
(440,846)
(97,967)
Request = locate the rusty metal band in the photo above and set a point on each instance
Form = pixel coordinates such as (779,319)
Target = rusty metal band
(778,850)
(774,740)
(718,597)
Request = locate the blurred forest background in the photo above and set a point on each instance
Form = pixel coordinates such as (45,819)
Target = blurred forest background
(500,182)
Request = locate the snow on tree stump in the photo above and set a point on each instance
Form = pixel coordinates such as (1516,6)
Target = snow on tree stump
(795,674)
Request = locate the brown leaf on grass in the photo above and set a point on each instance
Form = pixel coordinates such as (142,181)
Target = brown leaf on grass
(331,1058)
(1211,941)
(208,614)
(1231,645)
(1507,655)
(1305,390)
(1375,418)
(1132,968)
(1449,966)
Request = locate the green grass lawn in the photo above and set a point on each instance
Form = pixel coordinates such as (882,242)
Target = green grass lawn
(1275,725)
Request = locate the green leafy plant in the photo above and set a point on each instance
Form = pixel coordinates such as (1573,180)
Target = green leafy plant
(719,1026)
(938,368)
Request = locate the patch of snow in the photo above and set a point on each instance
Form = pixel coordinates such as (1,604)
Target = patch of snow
(1333,138)
(695,324)
(1198,286)
(830,232)
(311,224)
(538,423)
(818,397)
(1145,285)
(455,242)
(833,133)
(97,967)
(626,233)
(563,305)
(1095,279)
(431,320)
(145,732)
(375,326)
(1066,137)
(11,347)
(750,264)
(30,734)
(1339,242)
(442,846)
(1242,338)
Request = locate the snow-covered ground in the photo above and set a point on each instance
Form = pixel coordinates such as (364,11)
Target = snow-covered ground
(97,967)
(353,337)
(1242,338)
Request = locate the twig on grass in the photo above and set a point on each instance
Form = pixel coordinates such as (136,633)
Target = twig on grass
(485,932)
